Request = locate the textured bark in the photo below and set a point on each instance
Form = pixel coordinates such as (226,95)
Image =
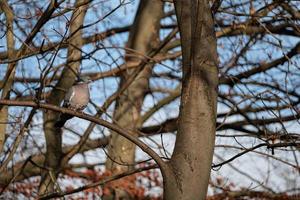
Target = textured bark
(69,74)
(7,86)
(189,168)
(143,37)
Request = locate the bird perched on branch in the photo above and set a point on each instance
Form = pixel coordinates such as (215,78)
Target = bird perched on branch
(76,98)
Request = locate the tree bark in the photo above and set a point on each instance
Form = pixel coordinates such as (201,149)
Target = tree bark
(10,42)
(142,38)
(53,135)
(190,164)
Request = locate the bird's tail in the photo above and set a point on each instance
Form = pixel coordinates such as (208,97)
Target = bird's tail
(62,120)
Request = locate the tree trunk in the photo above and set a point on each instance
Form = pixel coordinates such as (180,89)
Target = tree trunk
(10,42)
(53,135)
(142,38)
(189,168)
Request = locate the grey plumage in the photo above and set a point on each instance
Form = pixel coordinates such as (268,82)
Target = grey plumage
(76,98)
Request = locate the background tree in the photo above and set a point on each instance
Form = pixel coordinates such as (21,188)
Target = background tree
(143,67)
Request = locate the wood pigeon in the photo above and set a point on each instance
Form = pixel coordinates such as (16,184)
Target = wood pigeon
(76,98)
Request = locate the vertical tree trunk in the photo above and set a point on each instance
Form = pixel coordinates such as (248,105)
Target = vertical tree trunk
(143,37)
(53,135)
(189,168)
(10,42)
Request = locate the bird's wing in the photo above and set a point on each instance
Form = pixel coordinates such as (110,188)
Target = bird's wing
(69,95)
